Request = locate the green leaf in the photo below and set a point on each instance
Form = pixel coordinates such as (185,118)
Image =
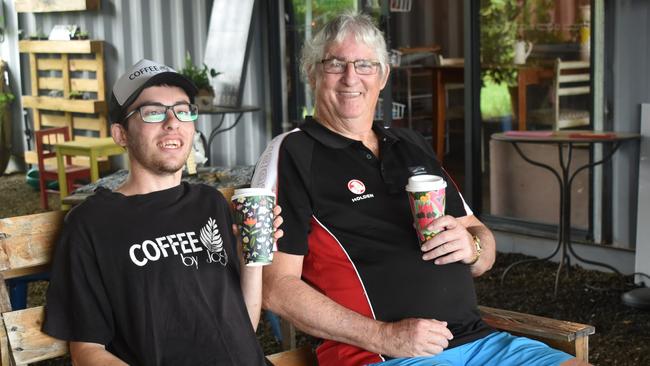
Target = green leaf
(199,76)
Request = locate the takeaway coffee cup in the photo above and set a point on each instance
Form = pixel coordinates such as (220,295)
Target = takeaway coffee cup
(254,217)
(427,199)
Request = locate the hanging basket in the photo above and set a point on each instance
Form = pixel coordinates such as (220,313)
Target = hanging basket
(400,6)
(397,110)
(395,58)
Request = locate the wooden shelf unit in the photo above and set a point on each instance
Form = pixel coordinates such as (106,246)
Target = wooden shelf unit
(412,86)
(64,67)
(45,6)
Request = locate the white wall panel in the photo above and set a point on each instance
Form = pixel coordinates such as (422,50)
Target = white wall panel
(643,218)
(631,88)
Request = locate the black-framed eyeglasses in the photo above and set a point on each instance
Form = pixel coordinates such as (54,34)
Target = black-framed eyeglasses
(362,67)
(156,112)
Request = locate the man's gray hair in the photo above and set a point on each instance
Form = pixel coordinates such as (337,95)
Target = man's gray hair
(335,31)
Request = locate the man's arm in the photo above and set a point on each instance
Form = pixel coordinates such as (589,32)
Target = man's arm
(251,276)
(454,243)
(251,288)
(85,353)
(250,282)
(309,310)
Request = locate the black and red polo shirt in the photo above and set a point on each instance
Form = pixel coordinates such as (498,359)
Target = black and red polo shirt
(347,212)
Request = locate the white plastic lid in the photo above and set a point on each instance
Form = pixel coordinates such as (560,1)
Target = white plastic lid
(248,192)
(425,183)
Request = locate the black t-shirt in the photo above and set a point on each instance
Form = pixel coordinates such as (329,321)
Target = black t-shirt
(347,212)
(153,277)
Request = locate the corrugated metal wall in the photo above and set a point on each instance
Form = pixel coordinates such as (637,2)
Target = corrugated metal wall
(164,30)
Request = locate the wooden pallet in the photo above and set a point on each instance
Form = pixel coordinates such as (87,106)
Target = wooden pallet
(43,6)
(62,68)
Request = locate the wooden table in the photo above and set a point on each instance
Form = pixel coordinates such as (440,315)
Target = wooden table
(92,148)
(225,179)
(447,74)
(443,75)
(529,75)
(565,141)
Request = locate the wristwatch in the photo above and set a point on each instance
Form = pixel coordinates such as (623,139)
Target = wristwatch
(478,248)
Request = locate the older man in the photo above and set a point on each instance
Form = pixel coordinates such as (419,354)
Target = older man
(150,274)
(350,268)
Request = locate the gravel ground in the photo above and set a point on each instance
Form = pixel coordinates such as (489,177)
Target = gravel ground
(18,198)
(622,333)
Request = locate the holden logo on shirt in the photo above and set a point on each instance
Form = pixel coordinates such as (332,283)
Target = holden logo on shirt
(357,187)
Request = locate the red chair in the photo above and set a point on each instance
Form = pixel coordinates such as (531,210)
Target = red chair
(45,140)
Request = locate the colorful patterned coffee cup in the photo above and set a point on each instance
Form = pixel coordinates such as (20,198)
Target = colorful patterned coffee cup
(254,216)
(427,199)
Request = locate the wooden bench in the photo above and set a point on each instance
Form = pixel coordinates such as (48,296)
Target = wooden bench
(26,244)
(570,337)
(303,356)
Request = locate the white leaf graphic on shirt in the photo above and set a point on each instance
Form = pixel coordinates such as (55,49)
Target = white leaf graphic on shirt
(211,239)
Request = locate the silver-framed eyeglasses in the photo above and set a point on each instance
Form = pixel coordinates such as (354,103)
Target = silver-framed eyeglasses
(156,112)
(362,67)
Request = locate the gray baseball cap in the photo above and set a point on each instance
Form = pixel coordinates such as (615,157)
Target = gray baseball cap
(143,74)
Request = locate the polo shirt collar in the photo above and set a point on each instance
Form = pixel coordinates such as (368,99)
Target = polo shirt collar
(334,140)
(384,134)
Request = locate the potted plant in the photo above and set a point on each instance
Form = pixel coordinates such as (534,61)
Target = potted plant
(201,78)
(504,23)
(75,94)
(498,37)
(37,36)
(80,35)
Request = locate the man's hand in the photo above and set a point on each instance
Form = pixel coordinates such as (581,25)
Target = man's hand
(452,244)
(414,337)
(287,295)
(277,221)
(277,233)
(86,353)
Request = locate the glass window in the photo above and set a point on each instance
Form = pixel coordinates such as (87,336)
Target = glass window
(305,18)
(536,75)
(426,41)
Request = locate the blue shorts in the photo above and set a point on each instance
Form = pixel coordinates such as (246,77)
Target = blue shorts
(498,349)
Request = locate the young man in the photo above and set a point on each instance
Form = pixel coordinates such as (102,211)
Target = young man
(150,274)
